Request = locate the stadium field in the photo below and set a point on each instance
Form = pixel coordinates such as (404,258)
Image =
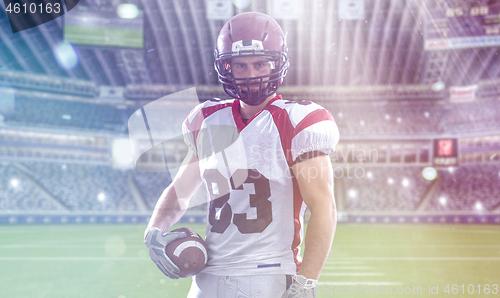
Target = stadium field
(111,261)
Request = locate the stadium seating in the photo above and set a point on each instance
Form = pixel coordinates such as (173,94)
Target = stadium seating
(18,193)
(84,187)
(365,120)
(38,186)
(384,189)
(67,115)
(78,187)
(473,116)
(468,188)
(151,185)
(354,119)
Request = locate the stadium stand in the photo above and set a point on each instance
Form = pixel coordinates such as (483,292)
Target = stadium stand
(365,120)
(473,117)
(67,115)
(151,185)
(18,193)
(97,188)
(382,118)
(78,186)
(23,80)
(384,189)
(468,188)
(84,187)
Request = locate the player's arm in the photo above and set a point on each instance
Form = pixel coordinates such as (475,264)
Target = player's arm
(315,179)
(174,200)
(170,207)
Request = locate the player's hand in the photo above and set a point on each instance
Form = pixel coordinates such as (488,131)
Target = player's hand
(301,288)
(156,241)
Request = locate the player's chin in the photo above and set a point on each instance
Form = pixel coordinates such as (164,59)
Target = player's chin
(254,89)
(252,94)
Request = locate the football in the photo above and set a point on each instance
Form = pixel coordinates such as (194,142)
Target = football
(188,253)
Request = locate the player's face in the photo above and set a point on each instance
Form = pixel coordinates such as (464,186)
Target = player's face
(252,67)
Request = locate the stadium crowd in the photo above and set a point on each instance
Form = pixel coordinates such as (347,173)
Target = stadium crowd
(385,189)
(391,119)
(67,115)
(468,188)
(18,193)
(77,187)
(38,186)
(41,185)
(473,116)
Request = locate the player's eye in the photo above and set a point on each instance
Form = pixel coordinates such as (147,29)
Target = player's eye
(240,66)
(263,65)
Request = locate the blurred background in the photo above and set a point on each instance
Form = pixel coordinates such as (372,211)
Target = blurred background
(414,87)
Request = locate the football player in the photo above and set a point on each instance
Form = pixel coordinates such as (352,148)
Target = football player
(263,160)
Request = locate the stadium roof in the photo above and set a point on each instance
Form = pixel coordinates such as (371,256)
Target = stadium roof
(385,47)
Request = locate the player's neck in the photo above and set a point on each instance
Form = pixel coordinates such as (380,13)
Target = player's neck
(248,111)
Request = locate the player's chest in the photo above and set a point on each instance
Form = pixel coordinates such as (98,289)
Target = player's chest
(259,142)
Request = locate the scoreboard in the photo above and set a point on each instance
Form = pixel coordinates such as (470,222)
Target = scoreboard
(454,24)
(89,26)
(445,152)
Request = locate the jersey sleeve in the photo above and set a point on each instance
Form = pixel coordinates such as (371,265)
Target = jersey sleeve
(315,130)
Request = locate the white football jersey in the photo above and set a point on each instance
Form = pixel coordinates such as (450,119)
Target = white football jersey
(255,209)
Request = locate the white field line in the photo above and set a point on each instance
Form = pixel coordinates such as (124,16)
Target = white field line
(72,241)
(79,259)
(16,231)
(67,246)
(335,275)
(365,283)
(59,228)
(343,262)
(66,231)
(420,246)
(347,268)
(54,244)
(477,231)
(351,274)
(367,259)
(428,258)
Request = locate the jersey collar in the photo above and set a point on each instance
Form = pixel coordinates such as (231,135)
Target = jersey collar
(237,115)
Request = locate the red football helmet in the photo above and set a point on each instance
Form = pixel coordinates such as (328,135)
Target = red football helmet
(251,34)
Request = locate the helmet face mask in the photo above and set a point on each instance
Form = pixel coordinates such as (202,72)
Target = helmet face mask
(243,88)
(251,35)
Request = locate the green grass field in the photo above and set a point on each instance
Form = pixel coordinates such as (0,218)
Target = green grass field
(111,261)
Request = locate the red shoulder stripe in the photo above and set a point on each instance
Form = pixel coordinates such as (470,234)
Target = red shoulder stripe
(313,118)
(285,129)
